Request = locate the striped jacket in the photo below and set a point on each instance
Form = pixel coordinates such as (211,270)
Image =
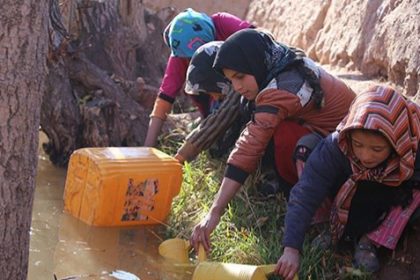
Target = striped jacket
(287,98)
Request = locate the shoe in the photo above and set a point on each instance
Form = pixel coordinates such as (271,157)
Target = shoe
(323,241)
(270,184)
(365,256)
(268,187)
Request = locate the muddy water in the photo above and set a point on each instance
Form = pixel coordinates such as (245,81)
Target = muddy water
(69,249)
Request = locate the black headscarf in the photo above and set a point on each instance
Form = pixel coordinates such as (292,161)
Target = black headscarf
(256,53)
(201,77)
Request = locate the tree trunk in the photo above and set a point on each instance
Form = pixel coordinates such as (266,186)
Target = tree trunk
(23,39)
(94,95)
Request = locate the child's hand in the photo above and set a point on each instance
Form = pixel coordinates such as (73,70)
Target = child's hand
(201,232)
(179,158)
(288,264)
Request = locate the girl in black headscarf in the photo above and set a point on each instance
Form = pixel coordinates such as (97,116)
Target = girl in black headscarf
(293,97)
(256,53)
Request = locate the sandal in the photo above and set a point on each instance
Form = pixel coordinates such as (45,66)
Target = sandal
(365,257)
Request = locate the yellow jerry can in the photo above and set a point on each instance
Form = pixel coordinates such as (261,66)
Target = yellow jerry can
(121,186)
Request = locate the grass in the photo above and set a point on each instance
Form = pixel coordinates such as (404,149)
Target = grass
(251,229)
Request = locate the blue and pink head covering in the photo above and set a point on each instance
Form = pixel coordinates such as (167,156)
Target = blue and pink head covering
(188,31)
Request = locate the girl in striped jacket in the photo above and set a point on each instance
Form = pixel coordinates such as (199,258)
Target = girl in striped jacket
(370,168)
(294,99)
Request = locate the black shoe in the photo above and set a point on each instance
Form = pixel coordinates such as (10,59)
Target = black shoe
(323,241)
(365,257)
(268,187)
(268,182)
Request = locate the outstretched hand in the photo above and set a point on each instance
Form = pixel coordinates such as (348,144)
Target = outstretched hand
(201,232)
(179,158)
(288,264)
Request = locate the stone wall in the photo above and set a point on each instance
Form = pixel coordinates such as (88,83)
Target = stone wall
(378,37)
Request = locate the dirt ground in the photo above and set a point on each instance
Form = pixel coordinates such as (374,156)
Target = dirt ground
(404,262)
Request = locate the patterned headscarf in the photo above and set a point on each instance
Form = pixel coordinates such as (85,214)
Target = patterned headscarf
(201,77)
(383,110)
(256,53)
(188,31)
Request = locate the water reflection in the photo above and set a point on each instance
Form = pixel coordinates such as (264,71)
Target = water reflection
(66,248)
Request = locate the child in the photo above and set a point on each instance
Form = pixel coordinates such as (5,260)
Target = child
(293,98)
(219,131)
(370,167)
(185,33)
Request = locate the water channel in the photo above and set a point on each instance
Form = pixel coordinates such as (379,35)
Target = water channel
(64,248)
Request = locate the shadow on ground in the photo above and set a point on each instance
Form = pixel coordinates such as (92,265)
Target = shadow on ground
(404,263)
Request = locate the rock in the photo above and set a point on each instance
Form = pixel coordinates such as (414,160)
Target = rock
(378,38)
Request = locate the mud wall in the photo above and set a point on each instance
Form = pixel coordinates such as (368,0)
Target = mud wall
(236,7)
(378,37)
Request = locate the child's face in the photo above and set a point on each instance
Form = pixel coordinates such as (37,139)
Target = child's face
(243,83)
(371,149)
